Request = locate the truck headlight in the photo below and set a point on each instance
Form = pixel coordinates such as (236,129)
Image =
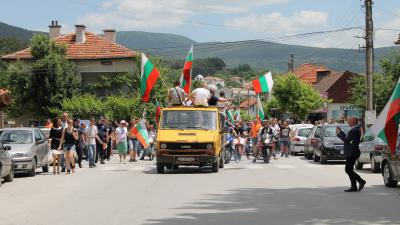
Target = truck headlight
(209,146)
(163,146)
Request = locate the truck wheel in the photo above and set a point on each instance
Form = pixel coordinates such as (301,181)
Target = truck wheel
(215,166)
(160,168)
(375,167)
(10,176)
(388,177)
(359,165)
(175,167)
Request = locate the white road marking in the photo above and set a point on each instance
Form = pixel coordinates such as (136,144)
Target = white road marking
(285,166)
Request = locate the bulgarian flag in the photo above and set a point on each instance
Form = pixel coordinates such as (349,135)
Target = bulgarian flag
(140,131)
(263,84)
(260,111)
(237,115)
(186,76)
(386,127)
(229,118)
(148,78)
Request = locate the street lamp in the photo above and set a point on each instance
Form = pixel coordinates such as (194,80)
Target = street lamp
(398,41)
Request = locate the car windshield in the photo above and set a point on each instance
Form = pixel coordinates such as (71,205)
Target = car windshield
(331,130)
(16,137)
(304,132)
(202,120)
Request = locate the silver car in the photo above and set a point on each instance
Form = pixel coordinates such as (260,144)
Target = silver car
(299,137)
(371,148)
(29,149)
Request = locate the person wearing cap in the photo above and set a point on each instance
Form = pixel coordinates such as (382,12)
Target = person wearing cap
(121,140)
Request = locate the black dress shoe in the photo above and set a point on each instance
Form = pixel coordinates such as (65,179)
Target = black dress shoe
(351,190)
(362,184)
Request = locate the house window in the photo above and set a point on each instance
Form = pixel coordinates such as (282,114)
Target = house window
(106,62)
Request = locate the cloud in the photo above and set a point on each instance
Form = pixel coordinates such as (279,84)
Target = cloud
(303,20)
(149,14)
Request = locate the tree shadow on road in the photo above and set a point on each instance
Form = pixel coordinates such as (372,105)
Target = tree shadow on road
(300,206)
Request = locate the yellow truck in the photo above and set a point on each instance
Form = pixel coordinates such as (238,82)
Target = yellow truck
(190,136)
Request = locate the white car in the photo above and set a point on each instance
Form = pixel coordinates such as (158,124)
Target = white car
(299,136)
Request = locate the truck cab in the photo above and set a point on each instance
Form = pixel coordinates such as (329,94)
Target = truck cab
(190,136)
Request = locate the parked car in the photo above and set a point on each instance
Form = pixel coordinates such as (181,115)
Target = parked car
(309,142)
(391,166)
(327,146)
(299,136)
(371,148)
(29,149)
(6,164)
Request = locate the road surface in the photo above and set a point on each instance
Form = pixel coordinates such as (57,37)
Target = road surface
(286,191)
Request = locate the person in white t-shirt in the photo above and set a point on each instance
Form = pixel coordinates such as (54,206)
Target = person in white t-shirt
(121,140)
(91,136)
(200,96)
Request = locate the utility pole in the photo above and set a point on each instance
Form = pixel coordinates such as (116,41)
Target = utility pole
(369,53)
(290,63)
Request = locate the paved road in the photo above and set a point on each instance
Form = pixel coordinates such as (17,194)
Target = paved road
(287,191)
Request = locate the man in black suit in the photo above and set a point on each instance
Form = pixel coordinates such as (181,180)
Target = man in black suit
(352,152)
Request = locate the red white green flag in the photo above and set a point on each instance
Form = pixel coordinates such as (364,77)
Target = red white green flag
(140,131)
(387,124)
(237,116)
(263,84)
(148,78)
(186,76)
(260,111)
(229,117)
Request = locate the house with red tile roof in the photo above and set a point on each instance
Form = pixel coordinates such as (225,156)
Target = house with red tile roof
(310,73)
(93,55)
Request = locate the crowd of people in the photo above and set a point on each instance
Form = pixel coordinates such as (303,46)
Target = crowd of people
(71,139)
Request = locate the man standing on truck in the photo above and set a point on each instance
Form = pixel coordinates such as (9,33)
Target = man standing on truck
(176,95)
(200,96)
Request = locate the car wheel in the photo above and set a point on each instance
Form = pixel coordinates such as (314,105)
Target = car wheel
(10,176)
(175,167)
(160,168)
(388,177)
(169,166)
(32,172)
(215,166)
(45,168)
(359,165)
(375,167)
(316,158)
(323,159)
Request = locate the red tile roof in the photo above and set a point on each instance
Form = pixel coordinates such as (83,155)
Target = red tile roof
(248,103)
(95,47)
(308,72)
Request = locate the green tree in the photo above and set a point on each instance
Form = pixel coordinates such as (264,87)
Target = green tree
(53,77)
(296,97)
(384,83)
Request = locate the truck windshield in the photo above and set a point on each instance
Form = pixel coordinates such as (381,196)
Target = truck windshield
(201,120)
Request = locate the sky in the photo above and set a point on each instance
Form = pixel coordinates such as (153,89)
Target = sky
(216,20)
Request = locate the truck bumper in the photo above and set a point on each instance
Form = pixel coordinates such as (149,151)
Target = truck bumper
(189,160)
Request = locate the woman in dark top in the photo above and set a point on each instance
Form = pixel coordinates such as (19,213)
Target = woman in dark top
(55,136)
(69,138)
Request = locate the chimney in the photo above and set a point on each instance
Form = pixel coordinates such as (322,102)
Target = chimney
(110,35)
(80,34)
(54,30)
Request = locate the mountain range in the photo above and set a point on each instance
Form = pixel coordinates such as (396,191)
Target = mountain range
(259,54)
